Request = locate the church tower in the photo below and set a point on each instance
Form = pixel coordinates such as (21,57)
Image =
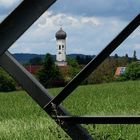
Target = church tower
(61,48)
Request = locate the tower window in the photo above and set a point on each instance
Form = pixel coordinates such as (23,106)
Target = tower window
(59,52)
(59,47)
(62,46)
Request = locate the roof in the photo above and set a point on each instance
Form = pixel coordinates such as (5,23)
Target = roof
(120,71)
(61,34)
(33,68)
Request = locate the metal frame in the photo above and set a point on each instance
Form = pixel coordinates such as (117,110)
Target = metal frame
(100,119)
(12,28)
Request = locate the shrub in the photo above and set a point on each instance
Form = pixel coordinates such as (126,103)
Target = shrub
(133,71)
(49,75)
(6,82)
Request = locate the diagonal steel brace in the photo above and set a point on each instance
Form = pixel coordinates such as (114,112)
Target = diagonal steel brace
(20,20)
(10,30)
(95,62)
(40,95)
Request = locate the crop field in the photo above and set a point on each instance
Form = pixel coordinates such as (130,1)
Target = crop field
(22,119)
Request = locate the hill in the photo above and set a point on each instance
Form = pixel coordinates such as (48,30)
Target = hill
(25,57)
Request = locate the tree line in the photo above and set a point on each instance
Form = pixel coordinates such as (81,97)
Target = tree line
(52,76)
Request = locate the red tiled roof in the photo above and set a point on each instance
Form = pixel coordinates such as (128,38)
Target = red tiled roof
(119,71)
(33,68)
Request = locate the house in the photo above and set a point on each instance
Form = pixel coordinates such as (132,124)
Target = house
(120,71)
(33,69)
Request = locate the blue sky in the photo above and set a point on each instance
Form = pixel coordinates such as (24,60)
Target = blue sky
(90,26)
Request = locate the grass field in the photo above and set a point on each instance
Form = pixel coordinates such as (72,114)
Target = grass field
(22,119)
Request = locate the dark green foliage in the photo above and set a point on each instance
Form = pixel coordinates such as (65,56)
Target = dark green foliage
(50,76)
(121,78)
(133,71)
(73,67)
(126,55)
(105,72)
(116,55)
(134,56)
(36,61)
(83,60)
(6,82)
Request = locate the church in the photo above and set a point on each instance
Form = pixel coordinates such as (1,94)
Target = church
(61,48)
(60,61)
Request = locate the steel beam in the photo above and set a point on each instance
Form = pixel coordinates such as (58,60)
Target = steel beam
(100,119)
(12,28)
(20,20)
(91,66)
(40,95)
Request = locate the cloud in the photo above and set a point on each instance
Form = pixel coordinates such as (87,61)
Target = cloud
(51,19)
(84,33)
(7,6)
(124,9)
(90,26)
(90,20)
(7,3)
(136,46)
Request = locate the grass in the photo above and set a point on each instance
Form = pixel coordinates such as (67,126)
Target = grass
(22,119)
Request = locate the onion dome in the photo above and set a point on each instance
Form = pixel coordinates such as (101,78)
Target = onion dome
(60,34)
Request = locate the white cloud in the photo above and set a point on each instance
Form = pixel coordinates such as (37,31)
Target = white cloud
(50,19)
(7,6)
(8,3)
(136,34)
(136,46)
(87,35)
(90,20)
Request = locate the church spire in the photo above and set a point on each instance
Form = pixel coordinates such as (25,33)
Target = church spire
(61,47)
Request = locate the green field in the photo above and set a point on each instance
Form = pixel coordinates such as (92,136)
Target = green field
(22,119)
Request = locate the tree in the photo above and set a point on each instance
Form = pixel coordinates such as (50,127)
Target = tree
(6,82)
(134,56)
(79,59)
(73,67)
(88,58)
(35,61)
(133,71)
(126,55)
(49,75)
(116,55)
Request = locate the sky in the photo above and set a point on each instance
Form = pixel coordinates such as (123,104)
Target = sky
(90,25)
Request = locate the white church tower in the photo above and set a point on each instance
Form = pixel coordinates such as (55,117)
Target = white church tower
(61,48)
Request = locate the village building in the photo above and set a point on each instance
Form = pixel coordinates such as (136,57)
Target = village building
(33,68)
(120,71)
(60,54)
(61,48)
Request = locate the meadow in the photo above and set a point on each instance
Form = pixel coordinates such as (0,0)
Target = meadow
(22,119)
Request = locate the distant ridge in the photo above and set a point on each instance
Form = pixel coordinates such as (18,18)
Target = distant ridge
(25,57)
